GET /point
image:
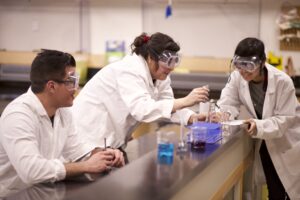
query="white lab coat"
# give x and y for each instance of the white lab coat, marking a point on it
(280, 124)
(45, 191)
(120, 96)
(30, 148)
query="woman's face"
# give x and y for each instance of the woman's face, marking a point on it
(158, 71)
(250, 76)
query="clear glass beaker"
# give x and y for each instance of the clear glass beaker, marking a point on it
(225, 116)
(165, 149)
(198, 137)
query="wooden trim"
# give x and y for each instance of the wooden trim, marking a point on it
(188, 64)
(235, 178)
(205, 64)
(215, 180)
(17, 57)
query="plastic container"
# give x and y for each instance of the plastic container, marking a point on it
(214, 132)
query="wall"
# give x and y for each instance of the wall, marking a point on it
(65, 25)
(269, 32)
(114, 20)
(203, 27)
(29, 25)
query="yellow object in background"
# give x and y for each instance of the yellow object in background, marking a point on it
(276, 61)
(264, 192)
(181, 70)
(81, 68)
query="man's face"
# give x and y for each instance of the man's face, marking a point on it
(66, 88)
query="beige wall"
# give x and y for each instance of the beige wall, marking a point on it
(203, 27)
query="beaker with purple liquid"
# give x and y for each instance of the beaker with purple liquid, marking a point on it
(198, 137)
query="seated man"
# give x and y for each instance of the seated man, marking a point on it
(36, 131)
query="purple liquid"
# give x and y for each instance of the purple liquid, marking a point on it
(198, 145)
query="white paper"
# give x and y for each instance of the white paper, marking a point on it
(234, 122)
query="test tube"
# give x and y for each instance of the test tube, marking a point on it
(181, 144)
(181, 128)
(204, 106)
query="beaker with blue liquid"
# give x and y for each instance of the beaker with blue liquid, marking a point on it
(165, 149)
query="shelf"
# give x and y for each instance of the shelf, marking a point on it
(290, 38)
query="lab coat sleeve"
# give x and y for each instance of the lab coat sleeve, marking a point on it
(75, 148)
(229, 99)
(185, 113)
(284, 116)
(21, 145)
(132, 87)
(166, 92)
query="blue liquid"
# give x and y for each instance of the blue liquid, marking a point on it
(165, 153)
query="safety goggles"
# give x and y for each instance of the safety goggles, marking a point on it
(249, 64)
(72, 82)
(168, 59)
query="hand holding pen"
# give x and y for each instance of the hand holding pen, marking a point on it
(118, 158)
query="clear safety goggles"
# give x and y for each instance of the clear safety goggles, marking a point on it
(168, 59)
(72, 82)
(249, 64)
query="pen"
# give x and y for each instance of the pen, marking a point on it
(104, 143)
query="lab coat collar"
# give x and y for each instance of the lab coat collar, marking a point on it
(37, 105)
(271, 80)
(270, 90)
(246, 94)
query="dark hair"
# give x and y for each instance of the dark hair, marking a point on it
(249, 47)
(49, 65)
(153, 45)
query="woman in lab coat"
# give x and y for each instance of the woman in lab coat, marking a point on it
(269, 96)
(133, 90)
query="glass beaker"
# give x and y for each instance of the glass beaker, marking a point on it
(204, 106)
(165, 149)
(212, 109)
(225, 116)
(198, 137)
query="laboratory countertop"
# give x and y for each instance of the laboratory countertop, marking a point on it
(144, 177)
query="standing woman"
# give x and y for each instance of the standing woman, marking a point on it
(269, 96)
(133, 90)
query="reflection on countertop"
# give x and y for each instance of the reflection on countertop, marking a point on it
(144, 177)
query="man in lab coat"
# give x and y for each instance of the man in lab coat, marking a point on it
(36, 130)
(133, 90)
(269, 96)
